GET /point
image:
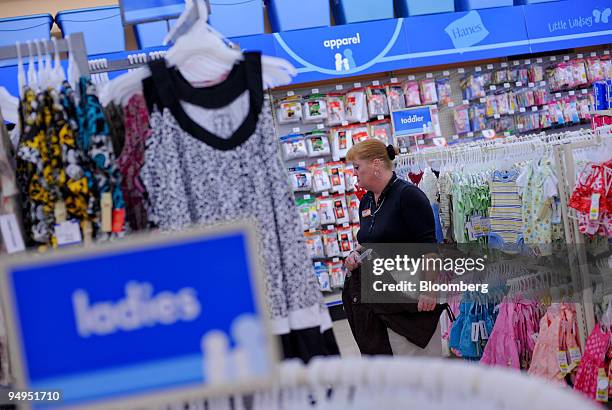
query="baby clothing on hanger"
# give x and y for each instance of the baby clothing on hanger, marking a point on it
(593, 359)
(505, 212)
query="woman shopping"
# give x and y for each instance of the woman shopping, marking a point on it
(393, 211)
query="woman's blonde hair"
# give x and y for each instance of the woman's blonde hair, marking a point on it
(371, 150)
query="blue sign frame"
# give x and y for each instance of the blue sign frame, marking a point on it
(412, 121)
(141, 321)
(143, 11)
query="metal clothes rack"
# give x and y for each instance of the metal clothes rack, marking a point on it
(131, 61)
(562, 146)
(75, 43)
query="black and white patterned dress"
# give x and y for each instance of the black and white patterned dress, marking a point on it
(213, 157)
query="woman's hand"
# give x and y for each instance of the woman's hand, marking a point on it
(351, 262)
(427, 302)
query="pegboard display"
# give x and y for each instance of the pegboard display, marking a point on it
(317, 126)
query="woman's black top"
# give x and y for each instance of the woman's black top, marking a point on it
(404, 215)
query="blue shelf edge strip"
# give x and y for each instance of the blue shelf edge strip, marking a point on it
(371, 47)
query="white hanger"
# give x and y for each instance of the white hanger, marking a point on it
(201, 55)
(59, 76)
(40, 68)
(9, 106)
(32, 78)
(21, 77)
(73, 69)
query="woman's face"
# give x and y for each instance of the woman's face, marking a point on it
(365, 173)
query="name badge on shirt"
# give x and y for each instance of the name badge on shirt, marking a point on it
(366, 212)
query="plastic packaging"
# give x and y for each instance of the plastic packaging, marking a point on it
(355, 105)
(381, 130)
(395, 97)
(412, 93)
(445, 93)
(340, 209)
(428, 92)
(336, 274)
(336, 114)
(349, 177)
(360, 133)
(301, 179)
(330, 243)
(353, 207)
(294, 146)
(322, 273)
(477, 117)
(461, 118)
(317, 144)
(315, 108)
(377, 101)
(336, 173)
(345, 240)
(320, 178)
(341, 143)
(289, 110)
(309, 214)
(325, 207)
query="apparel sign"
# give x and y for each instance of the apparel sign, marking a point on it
(146, 318)
(412, 121)
(331, 52)
(554, 27)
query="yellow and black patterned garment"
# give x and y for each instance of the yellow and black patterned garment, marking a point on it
(50, 167)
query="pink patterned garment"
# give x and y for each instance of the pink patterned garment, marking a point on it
(593, 359)
(502, 350)
(131, 161)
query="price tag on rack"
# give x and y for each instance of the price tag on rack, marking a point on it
(566, 58)
(606, 52)
(504, 65)
(411, 78)
(507, 134)
(302, 164)
(330, 227)
(394, 80)
(539, 60)
(542, 83)
(534, 108)
(320, 161)
(461, 70)
(522, 109)
(306, 196)
(320, 126)
(506, 85)
(429, 75)
(470, 134)
(375, 82)
(451, 104)
(296, 129)
(290, 93)
(496, 116)
(312, 230)
(490, 67)
(466, 102)
(519, 83)
(572, 92)
(585, 91)
(345, 225)
(553, 58)
(357, 85)
(403, 150)
(527, 62)
(531, 85)
(493, 88)
(446, 73)
(558, 95)
(516, 63)
(335, 259)
(325, 194)
(593, 54)
(580, 56)
(381, 117)
(421, 142)
(478, 69)
(520, 126)
(455, 137)
(511, 112)
(339, 87)
(315, 91)
(482, 100)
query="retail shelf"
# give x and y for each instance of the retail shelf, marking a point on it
(333, 299)
(602, 112)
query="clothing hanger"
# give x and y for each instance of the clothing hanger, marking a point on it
(59, 75)
(40, 68)
(9, 106)
(201, 55)
(73, 70)
(32, 79)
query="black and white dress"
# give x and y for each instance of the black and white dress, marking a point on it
(213, 157)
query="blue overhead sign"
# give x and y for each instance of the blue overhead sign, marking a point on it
(340, 51)
(147, 318)
(555, 26)
(412, 121)
(138, 11)
(457, 37)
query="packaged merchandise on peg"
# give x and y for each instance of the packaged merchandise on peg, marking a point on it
(294, 146)
(301, 179)
(395, 97)
(377, 101)
(317, 144)
(341, 142)
(336, 113)
(289, 110)
(315, 108)
(356, 106)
